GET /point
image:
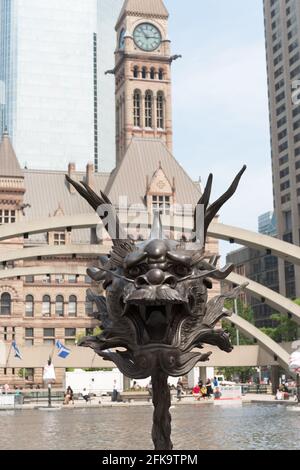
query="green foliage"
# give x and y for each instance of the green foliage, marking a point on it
(244, 312)
(96, 332)
(244, 373)
(285, 330)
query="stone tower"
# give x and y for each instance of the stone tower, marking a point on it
(143, 74)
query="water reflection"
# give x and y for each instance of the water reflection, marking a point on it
(194, 427)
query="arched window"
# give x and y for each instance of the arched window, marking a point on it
(59, 306)
(136, 72)
(29, 306)
(144, 72)
(5, 304)
(148, 109)
(152, 73)
(160, 74)
(72, 307)
(137, 108)
(46, 306)
(88, 306)
(160, 110)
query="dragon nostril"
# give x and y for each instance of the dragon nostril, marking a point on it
(171, 281)
(141, 281)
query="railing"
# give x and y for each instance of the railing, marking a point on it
(256, 388)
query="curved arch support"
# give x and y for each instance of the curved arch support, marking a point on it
(272, 298)
(263, 340)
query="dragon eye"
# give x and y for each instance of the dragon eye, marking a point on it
(136, 271)
(181, 270)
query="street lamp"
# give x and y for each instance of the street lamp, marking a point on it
(156, 305)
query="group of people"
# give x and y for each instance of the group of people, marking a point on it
(201, 390)
(205, 390)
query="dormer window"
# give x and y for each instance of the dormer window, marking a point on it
(161, 204)
(7, 216)
(59, 238)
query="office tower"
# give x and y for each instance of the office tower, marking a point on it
(260, 267)
(282, 29)
(51, 72)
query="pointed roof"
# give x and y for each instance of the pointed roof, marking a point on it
(154, 8)
(142, 159)
(9, 165)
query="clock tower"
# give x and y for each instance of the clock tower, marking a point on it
(143, 75)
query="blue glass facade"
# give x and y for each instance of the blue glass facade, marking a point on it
(52, 58)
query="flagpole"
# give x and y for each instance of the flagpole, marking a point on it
(7, 359)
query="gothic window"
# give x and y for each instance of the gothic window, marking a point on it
(136, 72)
(72, 307)
(160, 110)
(5, 304)
(144, 72)
(29, 306)
(160, 74)
(137, 108)
(7, 216)
(88, 306)
(59, 306)
(148, 109)
(152, 73)
(46, 306)
(161, 204)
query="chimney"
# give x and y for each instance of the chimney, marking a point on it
(71, 174)
(90, 175)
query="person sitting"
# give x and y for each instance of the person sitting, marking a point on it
(196, 392)
(69, 396)
(85, 395)
(203, 391)
(217, 393)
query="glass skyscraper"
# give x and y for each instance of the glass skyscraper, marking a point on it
(55, 100)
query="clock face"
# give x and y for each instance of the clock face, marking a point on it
(147, 37)
(122, 39)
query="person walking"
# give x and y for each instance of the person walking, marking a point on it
(115, 392)
(179, 389)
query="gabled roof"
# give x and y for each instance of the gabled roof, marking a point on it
(142, 159)
(154, 8)
(9, 165)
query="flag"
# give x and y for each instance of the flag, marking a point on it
(16, 349)
(63, 351)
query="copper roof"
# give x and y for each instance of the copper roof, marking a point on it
(9, 165)
(154, 8)
(142, 159)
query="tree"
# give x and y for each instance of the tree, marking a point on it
(285, 330)
(245, 312)
(243, 373)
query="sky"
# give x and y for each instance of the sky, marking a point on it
(220, 101)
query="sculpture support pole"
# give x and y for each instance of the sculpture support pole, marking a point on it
(161, 397)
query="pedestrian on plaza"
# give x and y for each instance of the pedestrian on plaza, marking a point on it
(115, 392)
(6, 389)
(179, 389)
(215, 382)
(149, 386)
(209, 388)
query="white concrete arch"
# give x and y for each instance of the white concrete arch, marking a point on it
(53, 250)
(255, 240)
(280, 355)
(272, 298)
